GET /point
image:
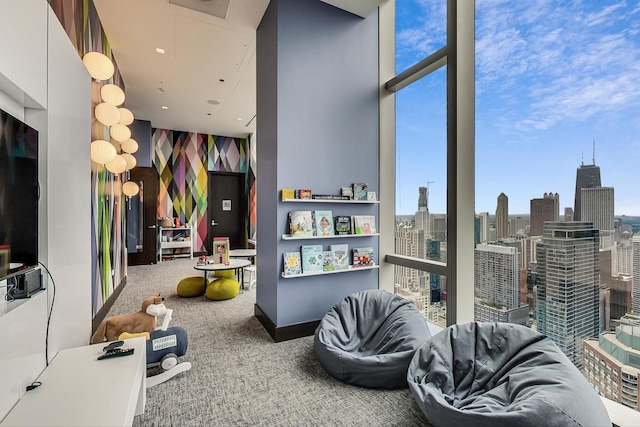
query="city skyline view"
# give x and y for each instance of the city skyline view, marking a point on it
(552, 78)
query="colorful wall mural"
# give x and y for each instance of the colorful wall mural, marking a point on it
(80, 20)
(183, 160)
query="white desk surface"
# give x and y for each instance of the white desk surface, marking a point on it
(79, 390)
(233, 264)
(242, 252)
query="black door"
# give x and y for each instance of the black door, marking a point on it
(141, 217)
(227, 209)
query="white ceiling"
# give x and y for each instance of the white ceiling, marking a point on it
(207, 76)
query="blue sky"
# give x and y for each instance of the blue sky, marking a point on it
(552, 77)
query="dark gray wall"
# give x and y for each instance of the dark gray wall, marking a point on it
(141, 132)
(317, 128)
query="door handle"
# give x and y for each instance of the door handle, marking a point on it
(213, 222)
(152, 226)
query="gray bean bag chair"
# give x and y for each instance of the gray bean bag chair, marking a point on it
(500, 374)
(369, 338)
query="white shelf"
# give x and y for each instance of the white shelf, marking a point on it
(172, 232)
(370, 202)
(336, 236)
(320, 273)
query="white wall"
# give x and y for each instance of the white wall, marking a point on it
(43, 82)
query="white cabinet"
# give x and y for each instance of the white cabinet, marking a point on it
(175, 242)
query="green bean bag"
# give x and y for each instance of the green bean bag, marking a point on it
(191, 287)
(225, 273)
(221, 289)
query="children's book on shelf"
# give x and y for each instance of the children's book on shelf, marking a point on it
(292, 263)
(340, 255)
(364, 224)
(360, 190)
(301, 223)
(327, 261)
(221, 250)
(324, 223)
(288, 194)
(312, 258)
(347, 191)
(304, 194)
(362, 257)
(343, 224)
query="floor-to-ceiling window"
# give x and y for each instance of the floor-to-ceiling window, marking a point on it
(556, 204)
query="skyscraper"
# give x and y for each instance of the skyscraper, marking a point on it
(569, 285)
(597, 207)
(545, 209)
(484, 226)
(502, 216)
(423, 199)
(635, 286)
(587, 176)
(422, 215)
(497, 285)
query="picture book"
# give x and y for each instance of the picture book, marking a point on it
(347, 192)
(364, 224)
(340, 255)
(362, 257)
(305, 194)
(360, 191)
(288, 194)
(327, 261)
(221, 250)
(301, 223)
(312, 258)
(343, 224)
(292, 263)
(324, 223)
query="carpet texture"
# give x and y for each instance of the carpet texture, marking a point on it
(240, 377)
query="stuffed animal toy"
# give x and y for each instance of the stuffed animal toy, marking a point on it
(141, 321)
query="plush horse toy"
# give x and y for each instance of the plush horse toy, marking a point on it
(141, 321)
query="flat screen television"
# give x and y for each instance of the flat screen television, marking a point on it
(19, 195)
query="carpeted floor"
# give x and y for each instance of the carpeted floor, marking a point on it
(240, 377)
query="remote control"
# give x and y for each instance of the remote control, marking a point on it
(117, 352)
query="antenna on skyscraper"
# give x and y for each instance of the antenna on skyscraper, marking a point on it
(594, 152)
(582, 159)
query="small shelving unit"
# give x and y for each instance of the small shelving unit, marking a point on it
(320, 273)
(171, 239)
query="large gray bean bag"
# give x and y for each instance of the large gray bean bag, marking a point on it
(500, 374)
(369, 338)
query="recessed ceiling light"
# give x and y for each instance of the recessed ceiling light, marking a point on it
(160, 50)
(239, 118)
(164, 107)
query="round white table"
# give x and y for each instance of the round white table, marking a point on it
(243, 253)
(234, 264)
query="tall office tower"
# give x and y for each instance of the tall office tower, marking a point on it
(568, 214)
(569, 285)
(517, 226)
(433, 253)
(611, 363)
(635, 285)
(484, 226)
(587, 176)
(597, 207)
(439, 227)
(411, 242)
(423, 199)
(497, 285)
(422, 215)
(623, 259)
(545, 209)
(502, 216)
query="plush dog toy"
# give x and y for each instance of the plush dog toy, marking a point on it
(141, 321)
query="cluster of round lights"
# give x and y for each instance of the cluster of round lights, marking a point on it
(110, 113)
